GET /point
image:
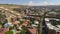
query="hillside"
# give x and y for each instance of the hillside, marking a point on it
(11, 6)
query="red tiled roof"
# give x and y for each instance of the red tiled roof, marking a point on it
(33, 30)
(3, 30)
(25, 23)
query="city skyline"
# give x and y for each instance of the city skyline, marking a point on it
(31, 2)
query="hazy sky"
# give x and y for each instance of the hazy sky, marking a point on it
(31, 2)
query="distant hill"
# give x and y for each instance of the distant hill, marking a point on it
(48, 6)
(12, 6)
(25, 6)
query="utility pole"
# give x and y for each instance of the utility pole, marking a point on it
(42, 22)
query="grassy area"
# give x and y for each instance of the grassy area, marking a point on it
(9, 32)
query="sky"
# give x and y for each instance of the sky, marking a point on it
(31, 2)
